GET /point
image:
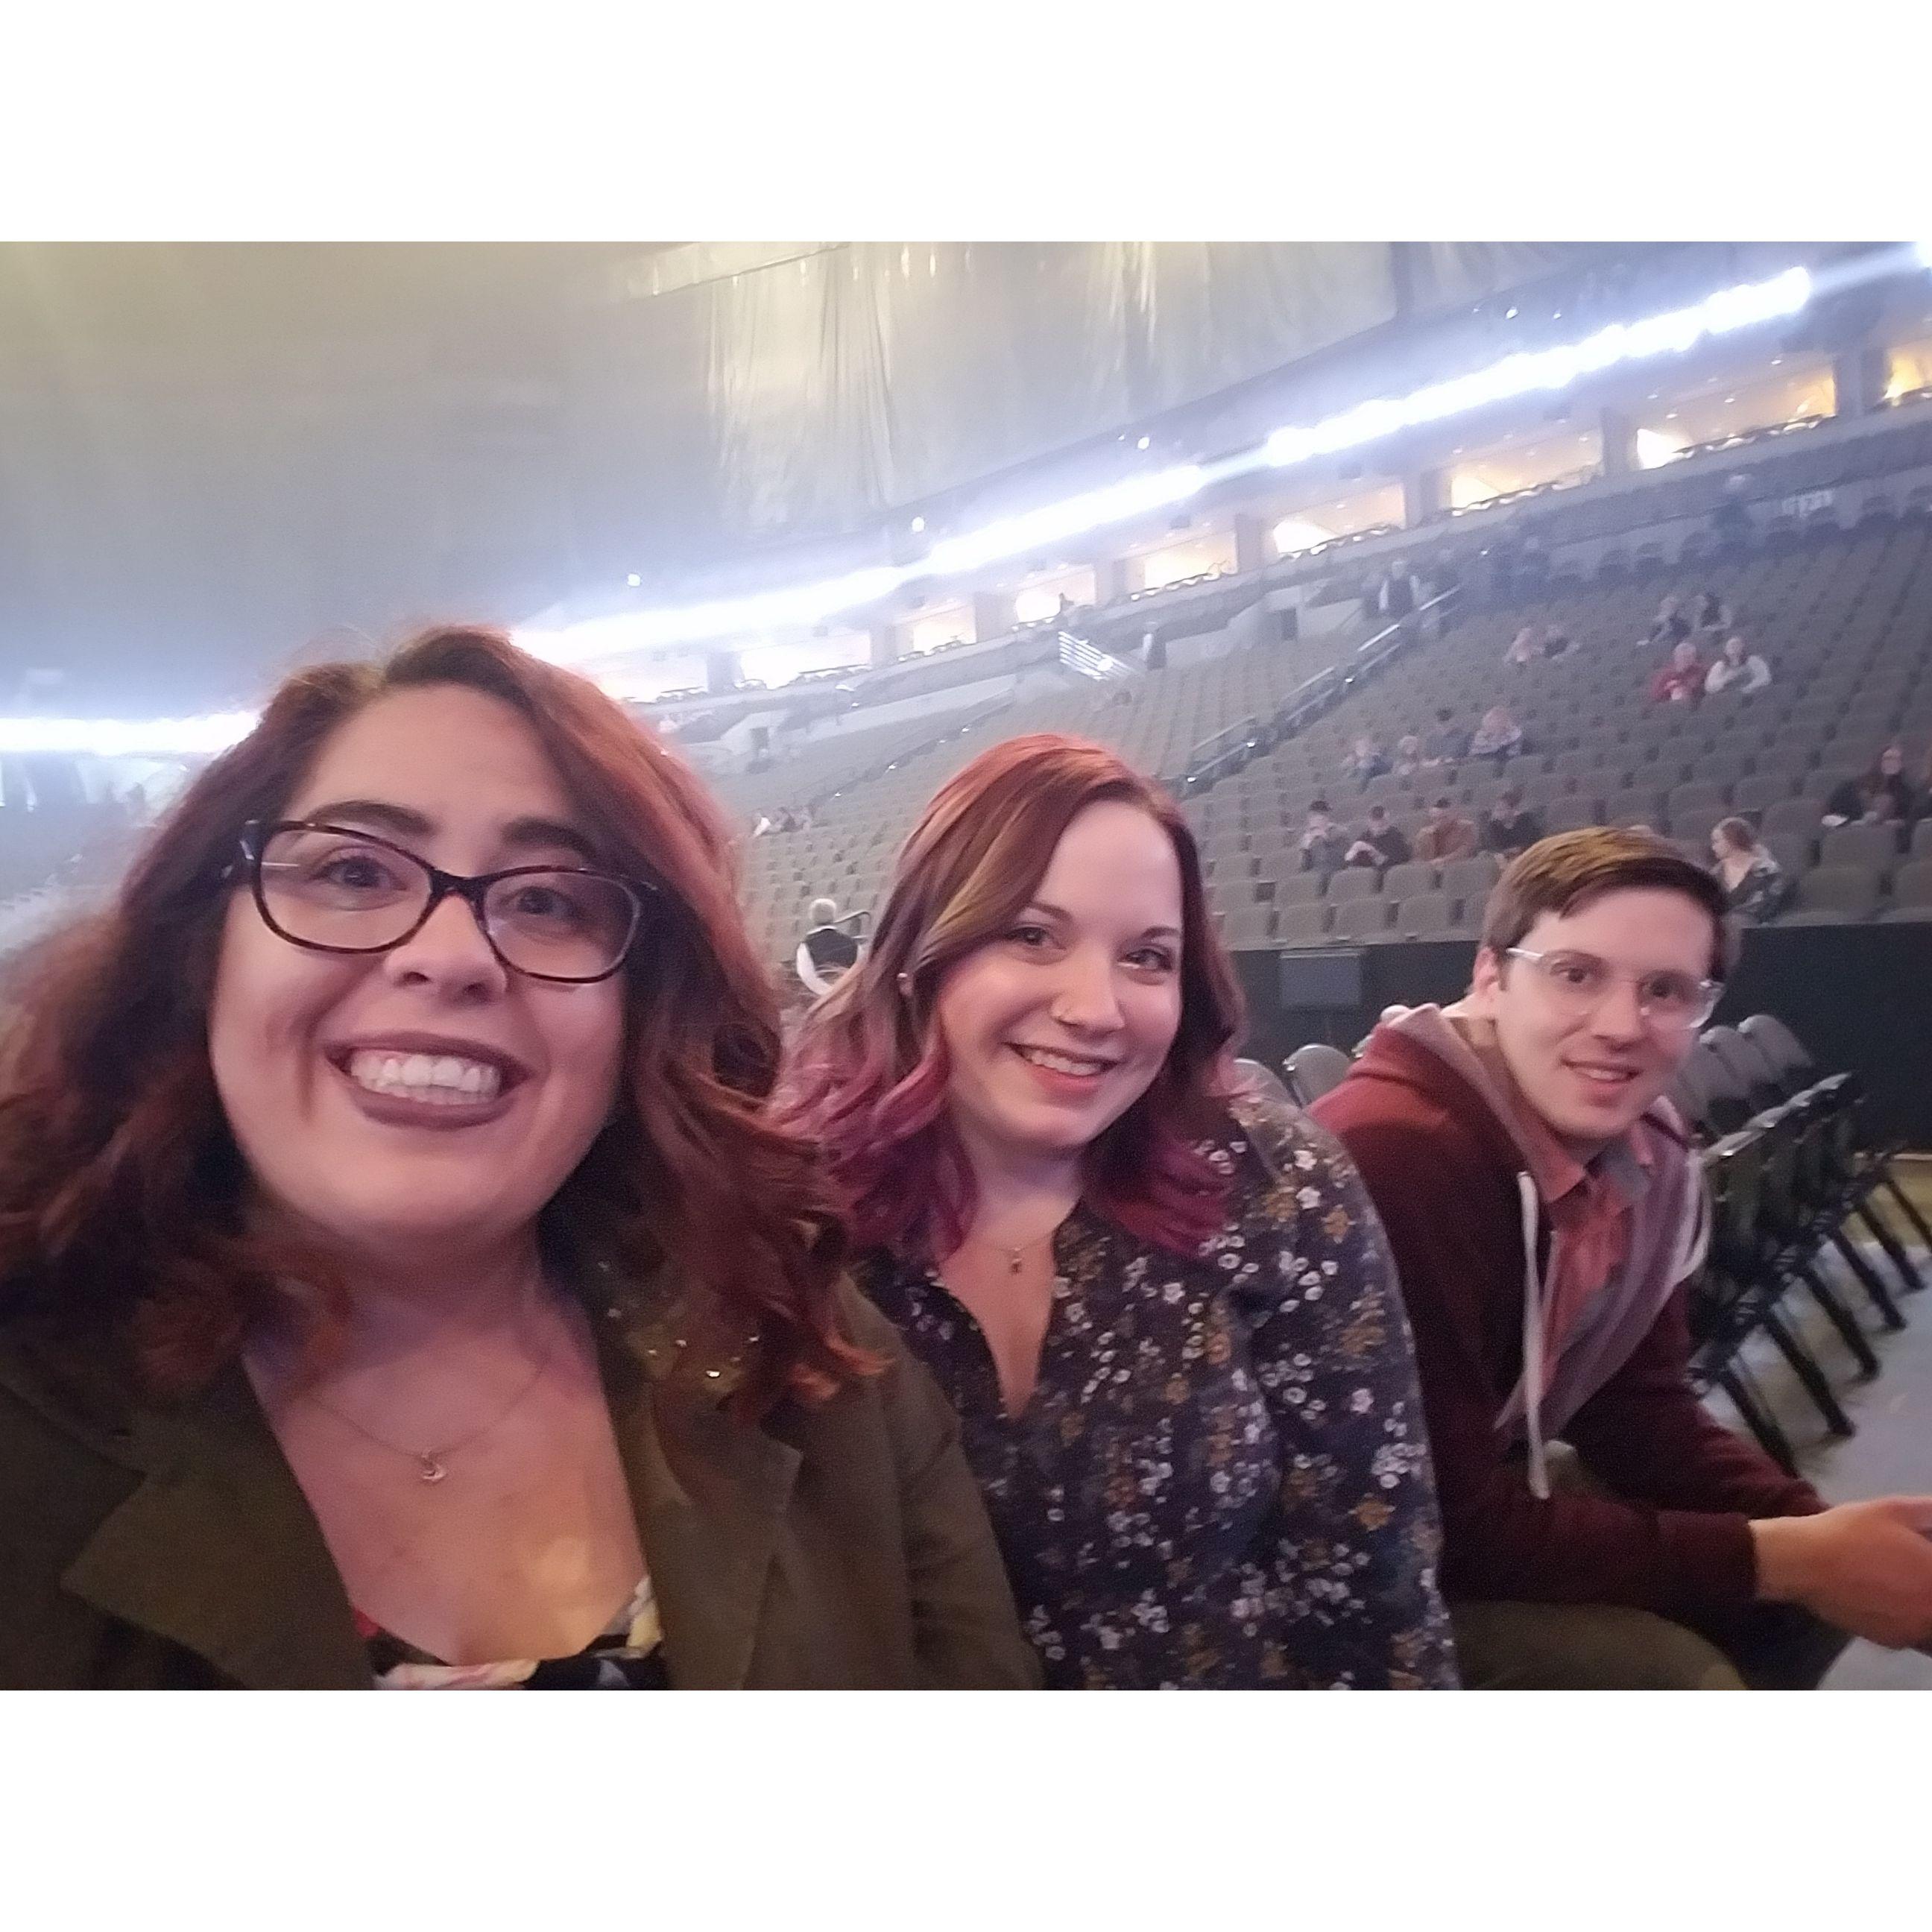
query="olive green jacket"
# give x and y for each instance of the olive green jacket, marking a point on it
(840, 1546)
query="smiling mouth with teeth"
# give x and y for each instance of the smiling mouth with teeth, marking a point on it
(1062, 1063)
(442, 1079)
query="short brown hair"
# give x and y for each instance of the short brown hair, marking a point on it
(1565, 873)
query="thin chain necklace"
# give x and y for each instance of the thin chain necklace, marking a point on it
(433, 1465)
(1016, 1258)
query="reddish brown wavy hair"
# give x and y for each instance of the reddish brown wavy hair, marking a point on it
(121, 1190)
(870, 1068)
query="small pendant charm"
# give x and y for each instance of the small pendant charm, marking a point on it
(1013, 1262)
(432, 1472)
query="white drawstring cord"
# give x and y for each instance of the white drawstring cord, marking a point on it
(1532, 1342)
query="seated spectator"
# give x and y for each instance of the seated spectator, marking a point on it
(1731, 523)
(1546, 1213)
(1366, 759)
(1394, 596)
(1525, 648)
(1499, 736)
(1756, 886)
(1713, 613)
(1554, 641)
(1408, 757)
(1739, 670)
(1681, 680)
(1446, 745)
(1447, 834)
(1881, 796)
(827, 953)
(1325, 845)
(1507, 829)
(1381, 844)
(1668, 628)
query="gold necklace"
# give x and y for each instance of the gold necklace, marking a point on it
(433, 1465)
(1015, 1257)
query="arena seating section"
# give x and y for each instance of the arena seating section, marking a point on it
(1844, 625)
(1843, 618)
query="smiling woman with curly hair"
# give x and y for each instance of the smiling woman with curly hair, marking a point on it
(402, 1280)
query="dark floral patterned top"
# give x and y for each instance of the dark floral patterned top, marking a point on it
(1222, 1478)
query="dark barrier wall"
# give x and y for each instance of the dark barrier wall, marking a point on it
(1860, 996)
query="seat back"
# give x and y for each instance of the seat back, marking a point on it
(1785, 1052)
(1315, 1070)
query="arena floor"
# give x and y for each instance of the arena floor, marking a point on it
(1892, 1454)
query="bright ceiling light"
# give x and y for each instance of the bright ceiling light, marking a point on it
(1535, 371)
(634, 580)
(1016, 536)
(1292, 535)
(1656, 447)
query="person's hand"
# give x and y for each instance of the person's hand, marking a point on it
(1865, 1567)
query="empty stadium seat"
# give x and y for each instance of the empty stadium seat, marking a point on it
(1470, 878)
(1249, 928)
(1408, 881)
(1874, 845)
(1828, 893)
(1426, 915)
(1912, 891)
(1298, 889)
(1362, 919)
(1352, 883)
(1302, 924)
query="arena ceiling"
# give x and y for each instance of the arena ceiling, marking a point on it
(215, 459)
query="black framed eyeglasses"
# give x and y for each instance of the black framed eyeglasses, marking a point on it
(336, 888)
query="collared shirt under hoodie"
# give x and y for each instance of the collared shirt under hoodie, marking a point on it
(1604, 1243)
(1546, 1296)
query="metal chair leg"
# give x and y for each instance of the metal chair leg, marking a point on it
(1888, 1181)
(1805, 1367)
(1841, 1317)
(1749, 1401)
(1908, 1274)
(1868, 1280)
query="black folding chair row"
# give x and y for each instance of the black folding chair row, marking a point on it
(1790, 1168)
(1796, 1076)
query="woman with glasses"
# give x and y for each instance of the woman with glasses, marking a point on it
(1602, 1529)
(404, 1284)
(1161, 1304)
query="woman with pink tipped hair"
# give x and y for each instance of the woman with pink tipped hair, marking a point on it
(1163, 1307)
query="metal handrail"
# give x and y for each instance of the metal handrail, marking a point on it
(1207, 765)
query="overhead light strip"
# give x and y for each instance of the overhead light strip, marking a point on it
(597, 640)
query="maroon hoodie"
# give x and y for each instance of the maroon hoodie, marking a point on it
(1447, 1177)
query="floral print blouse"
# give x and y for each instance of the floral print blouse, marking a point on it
(1222, 1478)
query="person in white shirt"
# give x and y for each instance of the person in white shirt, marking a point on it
(1739, 670)
(828, 951)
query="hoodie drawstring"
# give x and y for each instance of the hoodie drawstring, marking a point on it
(1532, 1342)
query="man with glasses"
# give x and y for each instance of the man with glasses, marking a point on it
(1602, 1530)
